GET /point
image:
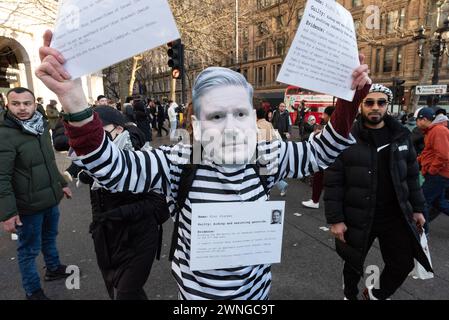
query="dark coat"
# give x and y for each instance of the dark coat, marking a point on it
(281, 122)
(126, 231)
(29, 178)
(161, 113)
(143, 120)
(60, 140)
(308, 130)
(418, 140)
(351, 187)
(129, 113)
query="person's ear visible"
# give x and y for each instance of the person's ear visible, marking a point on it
(119, 129)
(196, 126)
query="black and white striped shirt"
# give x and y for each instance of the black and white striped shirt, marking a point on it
(161, 168)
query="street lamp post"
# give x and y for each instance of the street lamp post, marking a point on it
(438, 47)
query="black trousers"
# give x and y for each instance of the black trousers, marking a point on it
(125, 254)
(396, 246)
(160, 127)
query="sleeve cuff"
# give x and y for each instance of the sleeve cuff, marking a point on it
(85, 139)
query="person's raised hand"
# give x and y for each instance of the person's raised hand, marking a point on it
(52, 73)
(360, 75)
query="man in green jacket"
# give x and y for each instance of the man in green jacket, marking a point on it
(31, 188)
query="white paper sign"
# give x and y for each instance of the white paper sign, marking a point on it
(230, 235)
(95, 34)
(324, 53)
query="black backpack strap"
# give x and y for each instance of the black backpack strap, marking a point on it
(185, 184)
(263, 178)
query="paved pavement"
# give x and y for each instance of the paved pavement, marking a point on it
(310, 268)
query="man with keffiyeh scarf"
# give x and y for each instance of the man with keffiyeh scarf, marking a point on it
(31, 188)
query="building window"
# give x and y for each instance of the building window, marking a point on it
(279, 23)
(377, 63)
(261, 4)
(357, 25)
(402, 18)
(275, 68)
(388, 60)
(300, 14)
(245, 34)
(245, 55)
(356, 3)
(245, 74)
(399, 59)
(261, 51)
(262, 29)
(392, 19)
(280, 47)
(261, 75)
(383, 19)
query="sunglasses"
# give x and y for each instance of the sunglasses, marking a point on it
(371, 102)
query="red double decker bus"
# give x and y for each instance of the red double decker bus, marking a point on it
(314, 102)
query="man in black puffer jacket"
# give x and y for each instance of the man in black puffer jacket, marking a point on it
(372, 191)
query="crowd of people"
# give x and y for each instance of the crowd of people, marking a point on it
(363, 158)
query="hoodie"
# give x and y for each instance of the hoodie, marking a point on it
(441, 118)
(434, 159)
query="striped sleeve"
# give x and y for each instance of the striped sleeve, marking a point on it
(136, 171)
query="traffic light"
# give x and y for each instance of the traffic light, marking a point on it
(398, 90)
(176, 61)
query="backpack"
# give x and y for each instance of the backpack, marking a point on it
(185, 184)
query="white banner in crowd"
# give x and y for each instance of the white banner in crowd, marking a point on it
(324, 53)
(93, 35)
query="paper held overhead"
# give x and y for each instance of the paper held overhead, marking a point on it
(92, 35)
(324, 52)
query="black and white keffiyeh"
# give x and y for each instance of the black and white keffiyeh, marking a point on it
(34, 126)
(381, 88)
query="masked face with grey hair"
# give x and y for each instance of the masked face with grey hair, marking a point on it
(224, 120)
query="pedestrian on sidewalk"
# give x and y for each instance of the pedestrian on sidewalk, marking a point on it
(161, 115)
(126, 228)
(434, 161)
(317, 180)
(301, 114)
(173, 118)
(282, 123)
(52, 113)
(372, 191)
(265, 130)
(31, 188)
(143, 120)
(309, 127)
(128, 110)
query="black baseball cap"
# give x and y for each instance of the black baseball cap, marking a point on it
(109, 115)
(427, 113)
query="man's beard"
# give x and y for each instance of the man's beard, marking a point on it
(366, 118)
